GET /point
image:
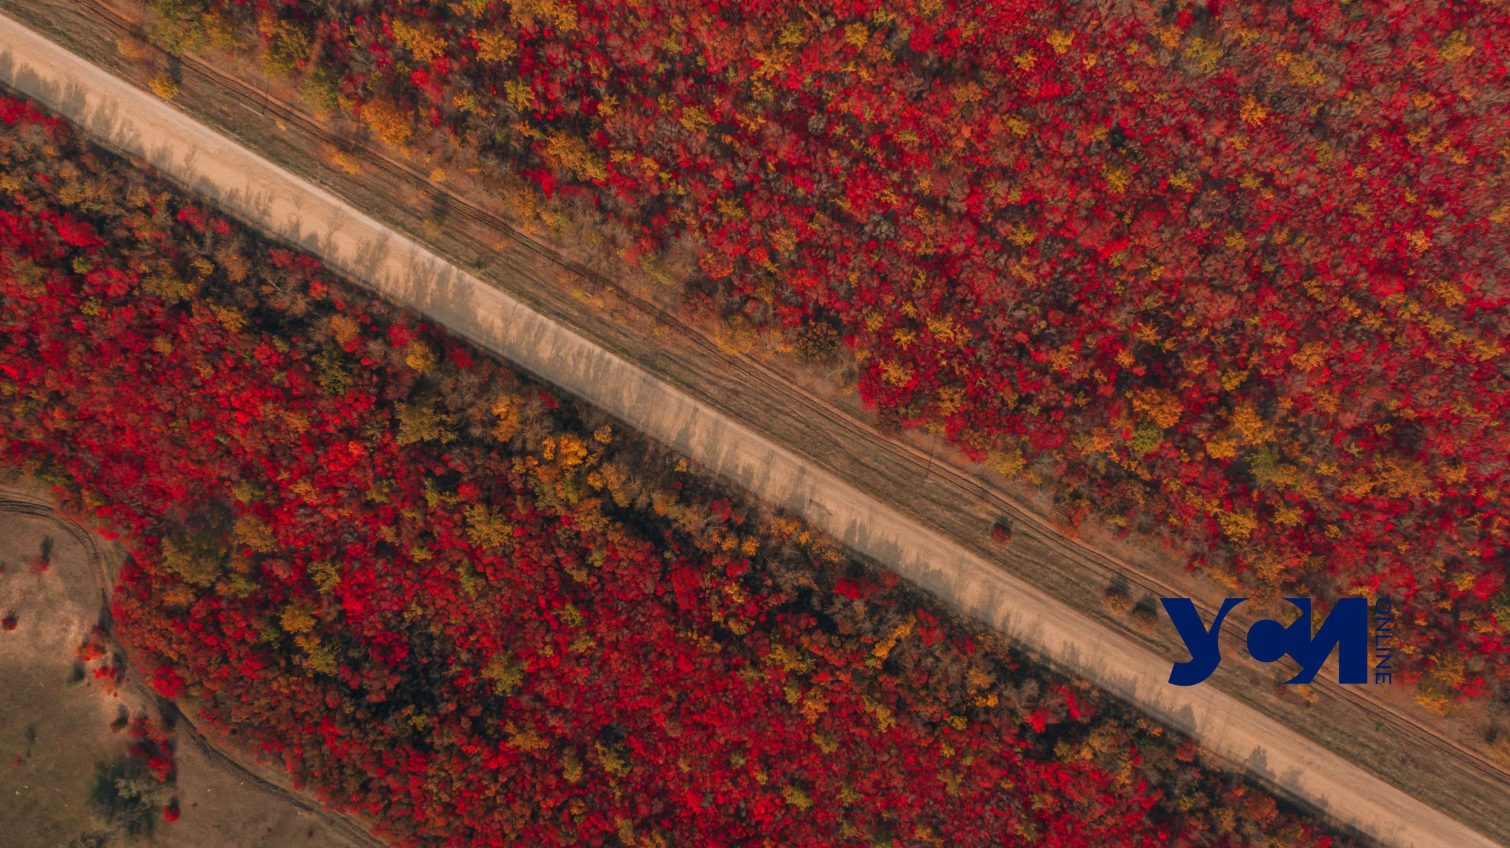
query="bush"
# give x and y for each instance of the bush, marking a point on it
(128, 796)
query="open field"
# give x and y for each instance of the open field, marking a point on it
(52, 730)
(361, 247)
(57, 721)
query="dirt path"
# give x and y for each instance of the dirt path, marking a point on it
(295, 210)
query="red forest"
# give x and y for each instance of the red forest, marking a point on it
(1230, 272)
(450, 600)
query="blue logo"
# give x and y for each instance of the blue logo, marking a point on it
(1344, 630)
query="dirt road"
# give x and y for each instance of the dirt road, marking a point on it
(297, 211)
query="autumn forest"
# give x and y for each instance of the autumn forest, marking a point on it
(1221, 283)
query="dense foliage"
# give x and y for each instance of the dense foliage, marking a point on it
(446, 598)
(1235, 271)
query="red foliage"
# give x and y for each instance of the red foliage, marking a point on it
(456, 603)
(1220, 271)
(167, 682)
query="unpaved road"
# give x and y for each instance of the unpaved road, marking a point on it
(299, 212)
